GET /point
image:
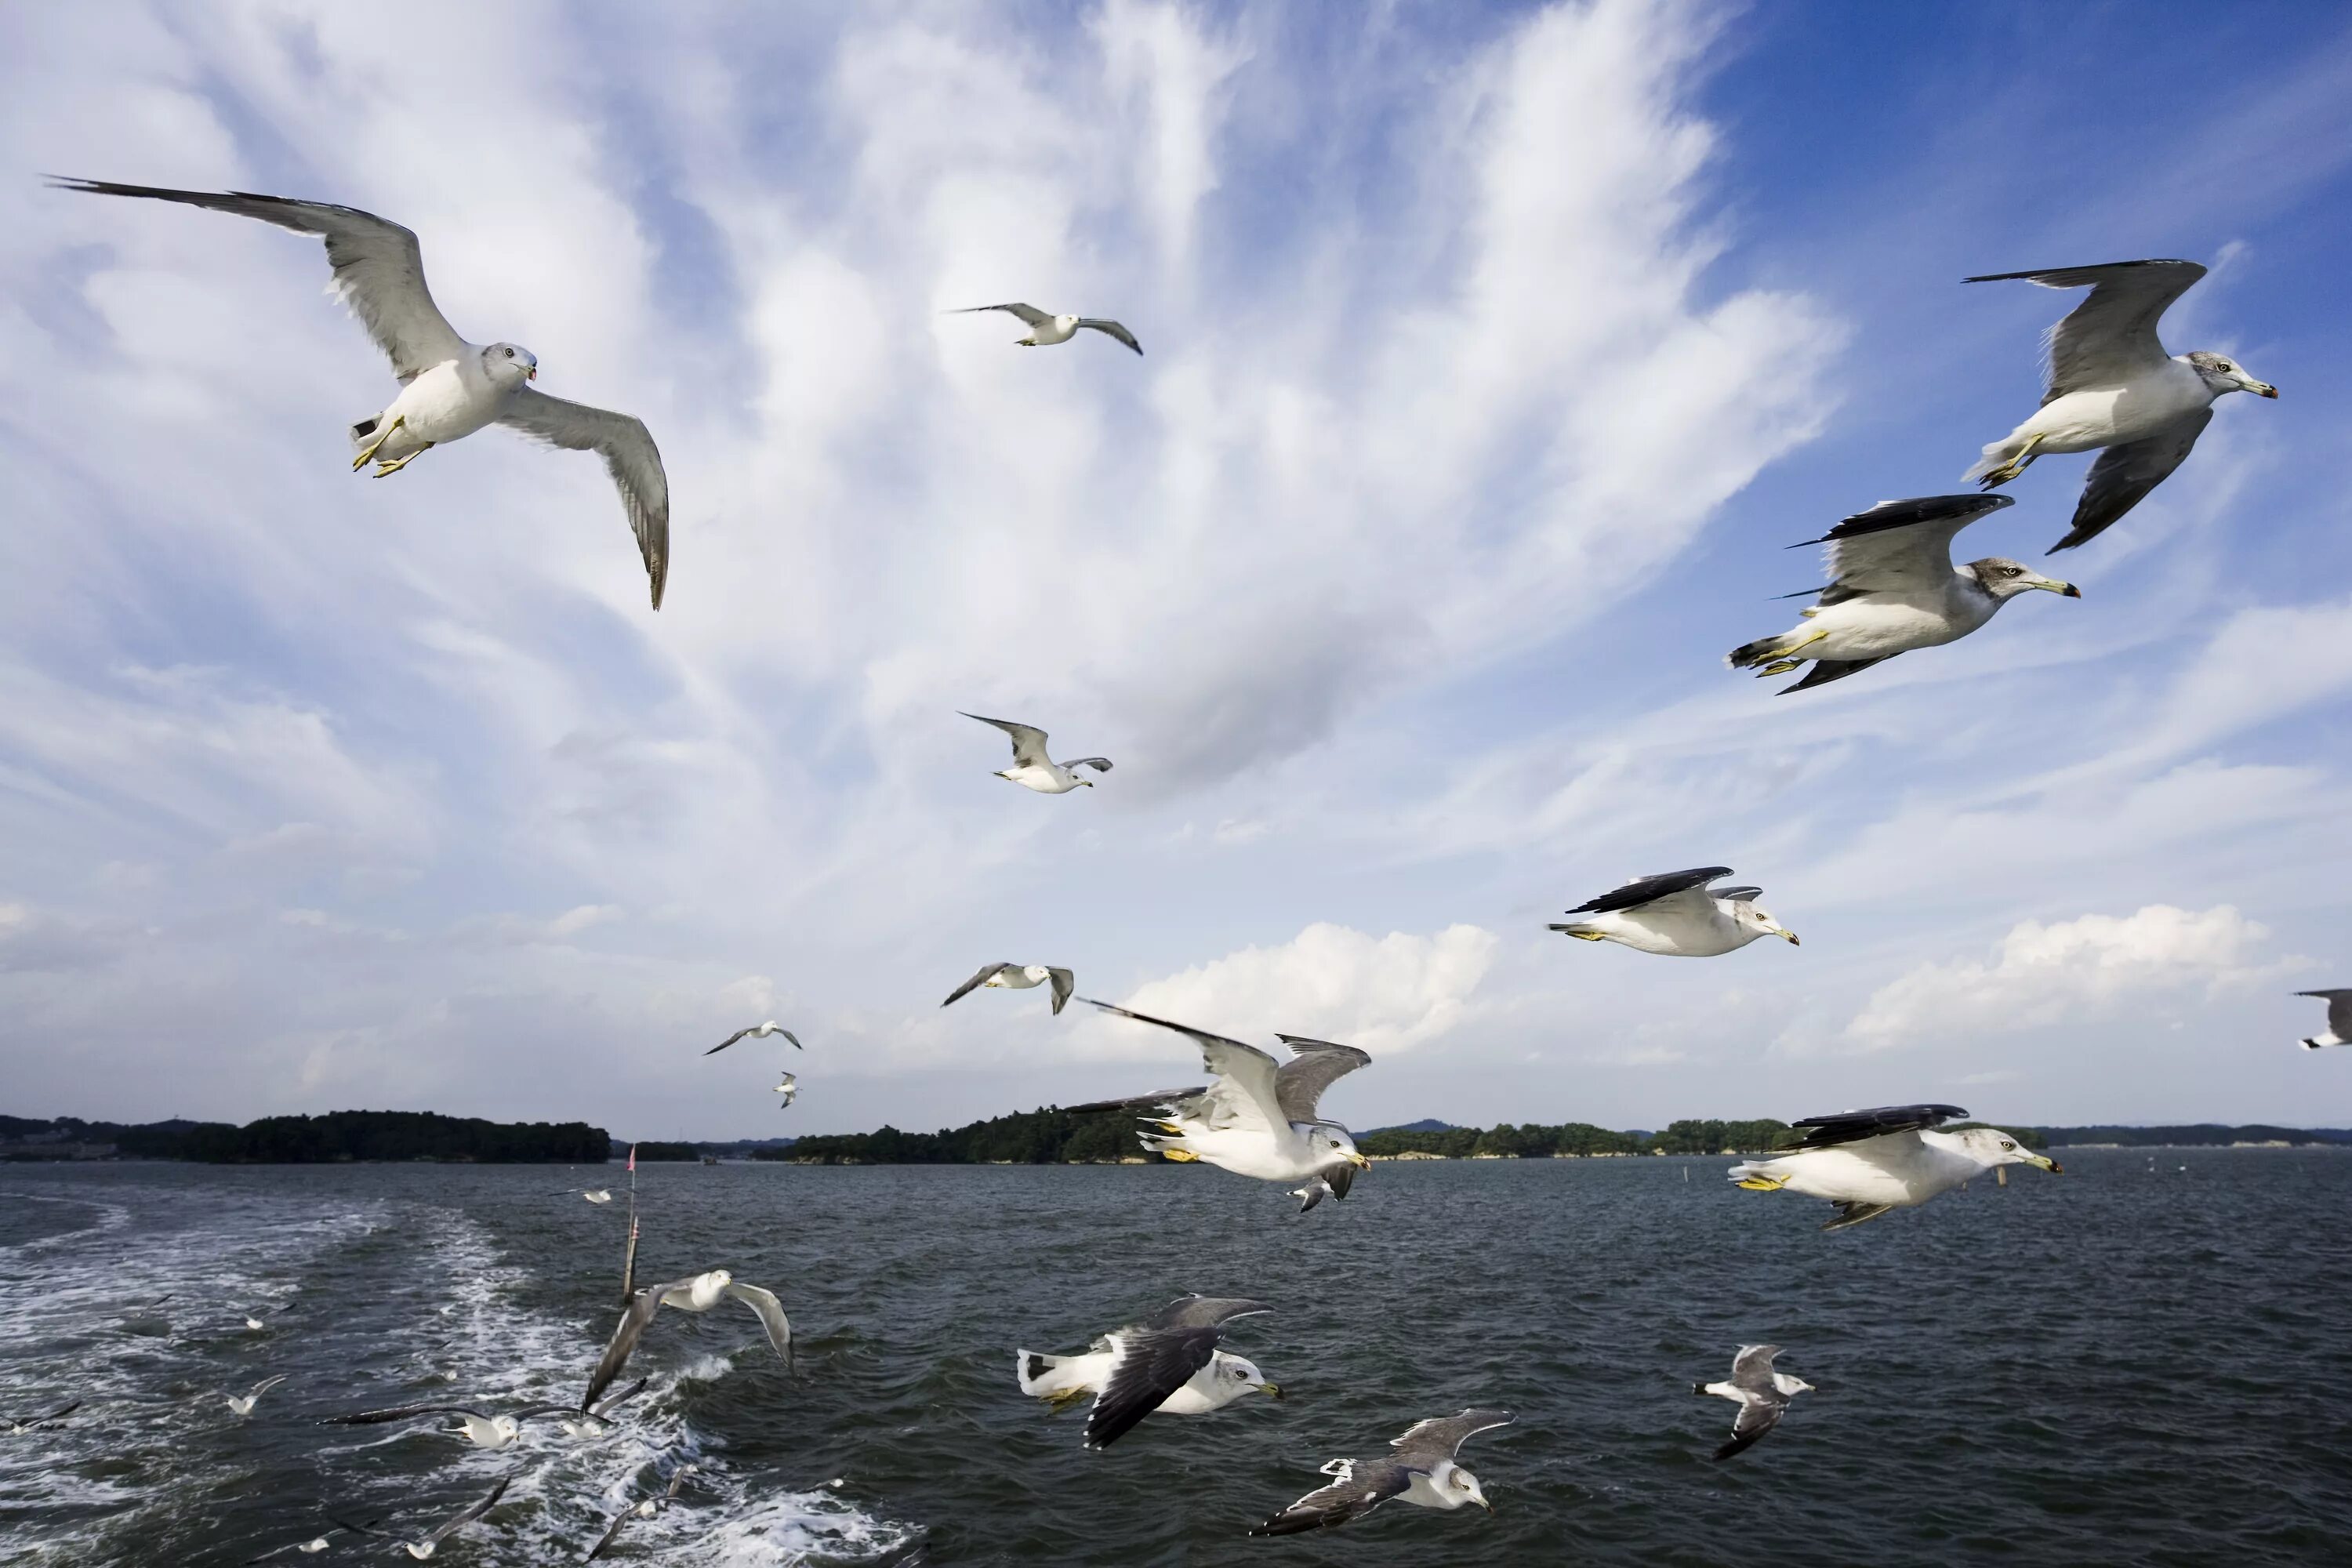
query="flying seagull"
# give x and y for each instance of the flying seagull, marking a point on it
(1761, 1394)
(1677, 913)
(2339, 1019)
(697, 1294)
(1867, 1162)
(790, 1087)
(449, 387)
(645, 1510)
(1421, 1472)
(1046, 329)
(482, 1431)
(318, 1542)
(1168, 1362)
(1259, 1119)
(420, 1549)
(242, 1404)
(592, 1423)
(1033, 769)
(757, 1032)
(2112, 385)
(593, 1195)
(1017, 977)
(26, 1422)
(1315, 1190)
(1893, 588)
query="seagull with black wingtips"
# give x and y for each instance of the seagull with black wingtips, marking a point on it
(1677, 915)
(1889, 1157)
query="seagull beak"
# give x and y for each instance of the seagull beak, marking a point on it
(2064, 590)
(1271, 1390)
(1785, 934)
(531, 374)
(2261, 389)
(2045, 1161)
(1358, 1161)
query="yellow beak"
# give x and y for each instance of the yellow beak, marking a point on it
(2045, 1161)
(2263, 389)
(531, 374)
(1271, 1390)
(1789, 935)
(1358, 1161)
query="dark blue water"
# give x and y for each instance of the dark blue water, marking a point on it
(2132, 1363)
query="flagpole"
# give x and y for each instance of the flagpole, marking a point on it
(629, 1260)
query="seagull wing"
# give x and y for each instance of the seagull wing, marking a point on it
(1853, 1126)
(1112, 329)
(1099, 765)
(1063, 982)
(796, 1039)
(1028, 741)
(1442, 1437)
(605, 1410)
(1821, 671)
(630, 457)
(1361, 1486)
(471, 1514)
(1314, 1066)
(1136, 1102)
(626, 1335)
(379, 270)
(265, 1386)
(611, 1532)
(1649, 889)
(727, 1042)
(2126, 472)
(2339, 1020)
(1148, 1364)
(1203, 1311)
(399, 1413)
(1752, 1369)
(1758, 1414)
(1246, 1089)
(1030, 315)
(772, 1316)
(979, 978)
(2109, 338)
(1899, 546)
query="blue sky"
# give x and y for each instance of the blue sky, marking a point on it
(1493, 359)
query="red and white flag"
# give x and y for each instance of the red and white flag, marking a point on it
(633, 1159)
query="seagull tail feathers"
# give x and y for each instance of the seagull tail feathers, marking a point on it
(1042, 1377)
(1746, 656)
(365, 428)
(1995, 455)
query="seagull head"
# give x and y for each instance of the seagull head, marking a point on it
(1990, 1146)
(2222, 373)
(510, 365)
(1333, 1146)
(1463, 1486)
(1241, 1374)
(1754, 916)
(2005, 579)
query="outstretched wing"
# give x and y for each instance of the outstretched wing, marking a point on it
(1443, 1436)
(1099, 765)
(979, 978)
(1821, 671)
(1246, 1077)
(626, 1335)
(1314, 1066)
(397, 1413)
(1203, 1311)
(1063, 982)
(727, 1041)
(603, 1412)
(2126, 472)
(2110, 338)
(1752, 1368)
(1899, 546)
(1648, 889)
(772, 1316)
(2340, 1021)
(1362, 1485)
(1758, 1414)
(630, 457)
(1112, 329)
(1028, 741)
(472, 1513)
(1030, 315)
(379, 269)
(1853, 1126)
(1137, 1101)
(1148, 1364)
(611, 1532)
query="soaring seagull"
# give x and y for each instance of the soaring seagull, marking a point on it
(1761, 1394)
(757, 1032)
(697, 1294)
(482, 1431)
(1868, 1162)
(1168, 1362)
(26, 1422)
(2339, 1019)
(1421, 1472)
(592, 1423)
(2111, 384)
(243, 1404)
(1259, 1119)
(449, 387)
(1046, 330)
(1893, 588)
(318, 1542)
(420, 1549)
(1017, 977)
(645, 1510)
(1677, 913)
(1033, 769)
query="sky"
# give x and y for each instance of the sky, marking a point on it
(1494, 357)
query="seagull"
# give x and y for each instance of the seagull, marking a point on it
(420, 1549)
(1033, 769)
(1867, 1162)
(1315, 1190)
(1893, 588)
(757, 1032)
(2112, 385)
(1017, 977)
(1677, 913)
(1046, 329)
(790, 1087)
(1168, 1362)
(26, 1422)
(592, 1423)
(482, 1431)
(645, 1509)
(697, 1294)
(318, 1542)
(1259, 1119)
(254, 1324)
(2339, 1019)
(1761, 1394)
(242, 1404)
(1421, 1472)
(449, 387)
(593, 1195)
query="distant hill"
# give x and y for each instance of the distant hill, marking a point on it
(339, 1135)
(1426, 1124)
(2202, 1135)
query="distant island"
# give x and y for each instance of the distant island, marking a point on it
(338, 1136)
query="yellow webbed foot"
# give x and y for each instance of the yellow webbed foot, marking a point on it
(1181, 1156)
(383, 468)
(1761, 1183)
(2014, 467)
(375, 446)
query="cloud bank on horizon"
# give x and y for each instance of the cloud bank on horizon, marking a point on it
(1492, 359)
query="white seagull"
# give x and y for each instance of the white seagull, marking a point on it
(790, 1087)
(482, 1431)
(1259, 1119)
(1046, 329)
(1676, 913)
(645, 1510)
(593, 1423)
(2339, 1019)
(1868, 1162)
(420, 1549)
(242, 1404)
(1761, 1394)
(318, 1542)
(1017, 977)
(1169, 1364)
(757, 1032)
(593, 1195)
(449, 387)
(697, 1294)
(1033, 769)
(2111, 384)
(1420, 1471)
(1893, 588)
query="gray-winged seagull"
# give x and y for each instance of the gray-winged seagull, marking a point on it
(1677, 915)
(2339, 1019)
(645, 1510)
(1046, 330)
(757, 1032)
(1017, 977)
(697, 1294)
(1420, 1471)
(1868, 1162)
(420, 1549)
(1033, 769)
(1168, 1363)
(1761, 1394)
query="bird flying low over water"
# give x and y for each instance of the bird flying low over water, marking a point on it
(757, 1032)
(593, 1195)
(243, 1404)
(482, 1431)
(318, 1542)
(1761, 1394)
(697, 1294)
(26, 1422)
(1046, 329)
(1868, 1162)
(1421, 1472)
(1033, 769)
(592, 1423)
(1017, 977)
(1893, 588)
(420, 1549)
(1677, 915)
(1259, 1119)
(2112, 385)
(449, 387)
(1169, 1364)
(2339, 1019)
(645, 1510)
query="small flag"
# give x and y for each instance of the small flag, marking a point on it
(633, 1159)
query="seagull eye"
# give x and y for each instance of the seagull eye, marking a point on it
(2006, 1144)
(509, 353)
